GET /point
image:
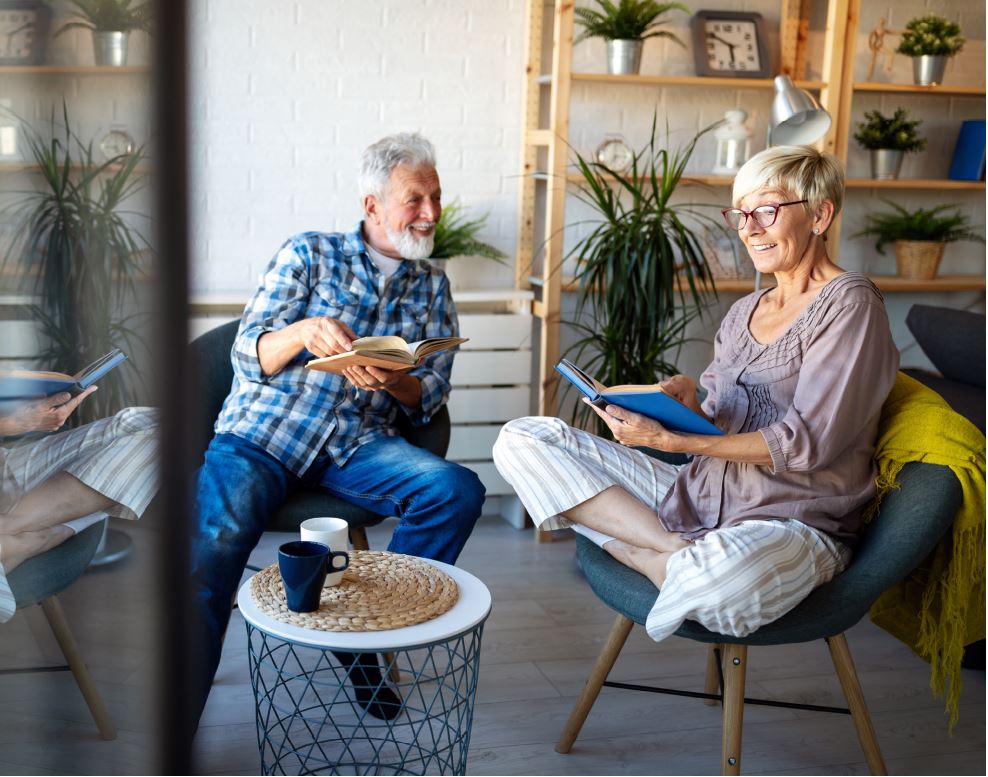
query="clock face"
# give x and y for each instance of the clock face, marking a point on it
(116, 143)
(732, 46)
(615, 154)
(729, 43)
(23, 29)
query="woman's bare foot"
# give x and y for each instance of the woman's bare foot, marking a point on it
(651, 563)
(15, 549)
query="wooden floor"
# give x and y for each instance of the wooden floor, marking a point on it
(539, 643)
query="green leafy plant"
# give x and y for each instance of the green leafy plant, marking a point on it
(929, 224)
(83, 252)
(456, 235)
(110, 16)
(896, 132)
(931, 35)
(626, 20)
(642, 270)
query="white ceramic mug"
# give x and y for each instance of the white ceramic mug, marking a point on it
(332, 532)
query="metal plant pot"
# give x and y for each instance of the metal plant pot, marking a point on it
(886, 163)
(918, 260)
(928, 70)
(110, 48)
(624, 57)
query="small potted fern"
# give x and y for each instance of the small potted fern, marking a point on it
(625, 25)
(920, 236)
(111, 22)
(889, 139)
(930, 40)
(457, 236)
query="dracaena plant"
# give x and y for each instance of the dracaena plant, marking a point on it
(642, 270)
(626, 20)
(82, 250)
(110, 16)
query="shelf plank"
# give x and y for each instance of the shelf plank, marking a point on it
(888, 283)
(874, 86)
(689, 179)
(913, 183)
(82, 70)
(700, 81)
(30, 167)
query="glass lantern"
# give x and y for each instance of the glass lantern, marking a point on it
(733, 143)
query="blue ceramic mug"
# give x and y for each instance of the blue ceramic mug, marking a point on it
(303, 567)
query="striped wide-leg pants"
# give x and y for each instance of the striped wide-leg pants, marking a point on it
(731, 581)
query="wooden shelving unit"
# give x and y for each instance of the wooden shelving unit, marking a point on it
(28, 167)
(76, 70)
(947, 89)
(696, 81)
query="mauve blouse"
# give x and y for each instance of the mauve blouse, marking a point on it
(815, 395)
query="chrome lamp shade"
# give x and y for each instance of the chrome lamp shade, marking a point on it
(797, 118)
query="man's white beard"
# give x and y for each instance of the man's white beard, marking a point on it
(409, 245)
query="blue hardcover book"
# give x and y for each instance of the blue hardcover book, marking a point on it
(969, 153)
(24, 384)
(646, 400)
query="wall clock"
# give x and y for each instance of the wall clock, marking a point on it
(730, 44)
(23, 31)
(116, 143)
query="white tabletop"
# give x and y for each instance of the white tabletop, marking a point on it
(472, 607)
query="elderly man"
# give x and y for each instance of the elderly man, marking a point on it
(283, 426)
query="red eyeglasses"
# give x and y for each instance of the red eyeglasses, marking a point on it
(764, 215)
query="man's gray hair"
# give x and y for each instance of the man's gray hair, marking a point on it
(380, 159)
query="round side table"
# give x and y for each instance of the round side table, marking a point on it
(308, 721)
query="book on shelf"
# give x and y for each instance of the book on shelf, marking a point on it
(19, 385)
(388, 353)
(968, 163)
(649, 401)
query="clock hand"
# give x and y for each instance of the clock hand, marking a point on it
(730, 46)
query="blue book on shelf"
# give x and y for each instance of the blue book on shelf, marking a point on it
(646, 400)
(969, 153)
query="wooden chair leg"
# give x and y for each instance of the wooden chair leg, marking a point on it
(711, 683)
(608, 655)
(841, 655)
(63, 635)
(735, 665)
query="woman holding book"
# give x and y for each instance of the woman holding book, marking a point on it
(106, 467)
(770, 509)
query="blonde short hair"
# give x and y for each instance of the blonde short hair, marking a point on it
(800, 171)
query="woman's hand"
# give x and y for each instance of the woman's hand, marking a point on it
(42, 415)
(683, 389)
(633, 429)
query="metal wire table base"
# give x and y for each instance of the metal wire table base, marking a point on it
(309, 722)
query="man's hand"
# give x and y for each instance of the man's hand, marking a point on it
(633, 429)
(42, 415)
(324, 336)
(373, 378)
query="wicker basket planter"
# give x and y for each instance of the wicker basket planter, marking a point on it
(918, 260)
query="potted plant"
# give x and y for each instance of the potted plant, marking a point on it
(642, 270)
(457, 236)
(111, 22)
(625, 25)
(920, 236)
(930, 40)
(889, 139)
(82, 251)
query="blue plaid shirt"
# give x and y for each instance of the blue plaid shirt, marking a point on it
(298, 414)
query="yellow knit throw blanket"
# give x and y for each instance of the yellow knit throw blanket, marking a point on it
(940, 607)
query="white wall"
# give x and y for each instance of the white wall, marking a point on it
(287, 94)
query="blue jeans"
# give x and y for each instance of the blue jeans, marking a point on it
(241, 486)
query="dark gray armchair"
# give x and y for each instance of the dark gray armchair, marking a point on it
(210, 355)
(911, 521)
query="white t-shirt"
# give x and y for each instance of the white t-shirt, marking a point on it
(385, 264)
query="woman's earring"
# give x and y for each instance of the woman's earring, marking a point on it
(816, 231)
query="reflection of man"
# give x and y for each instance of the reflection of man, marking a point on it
(108, 466)
(283, 426)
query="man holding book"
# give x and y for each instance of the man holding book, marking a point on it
(284, 426)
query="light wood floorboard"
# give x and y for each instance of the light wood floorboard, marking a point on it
(542, 637)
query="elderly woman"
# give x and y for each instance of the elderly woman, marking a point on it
(108, 466)
(765, 513)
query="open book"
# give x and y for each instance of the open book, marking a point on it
(29, 384)
(388, 353)
(650, 401)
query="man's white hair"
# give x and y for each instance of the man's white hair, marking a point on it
(380, 159)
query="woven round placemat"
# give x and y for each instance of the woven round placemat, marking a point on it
(379, 591)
